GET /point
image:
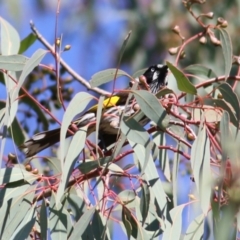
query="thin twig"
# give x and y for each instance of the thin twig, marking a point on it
(74, 74)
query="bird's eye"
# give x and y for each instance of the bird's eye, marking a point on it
(152, 69)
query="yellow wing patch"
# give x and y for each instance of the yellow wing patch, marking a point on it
(107, 103)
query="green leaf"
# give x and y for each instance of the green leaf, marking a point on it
(183, 82)
(13, 62)
(99, 116)
(151, 107)
(114, 168)
(10, 40)
(131, 225)
(210, 114)
(8, 175)
(150, 173)
(18, 135)
(200, 163)
(225, 106)
(27, 42)
(106, 76)
(175, 172)
(127, 196)
(226, 226)
(75, 107)
(173, 231)
(139, 73)
(225, 138)
(43, 220)
(100, 226)
(54, 164)
(121, 52)
(13, 212)
(58, 219)
(127, 224)
(29, 66)
(25, 227)
(134, 131)
(144, 201)
(12, 190)
(164, 92)
(231, 97)
(201, 70)
(226, 45)
(159, 139)
(238, 220)
(90, 165)
(72, 154)
(196, 228)
(75, 203)
(82, 224)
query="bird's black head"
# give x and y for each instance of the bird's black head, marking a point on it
(156, 77)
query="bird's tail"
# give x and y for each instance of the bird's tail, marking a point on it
(40, 141)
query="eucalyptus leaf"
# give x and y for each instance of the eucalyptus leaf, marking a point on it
(231, 97)
(151, 107)
(82, 224)
(183, 82)
(13, 62)
(201, 70)
(27, 42)
(196, 228)
(10, 40)
(200, 163)
(106, 76)
(226, 45)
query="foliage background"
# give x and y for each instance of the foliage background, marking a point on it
(95, 29)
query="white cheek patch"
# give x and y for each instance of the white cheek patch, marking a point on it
(38, 136)
(155, 75)
(159, 66)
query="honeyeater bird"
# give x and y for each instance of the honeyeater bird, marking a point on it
(153, 79)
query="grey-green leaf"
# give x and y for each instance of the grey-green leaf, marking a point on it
(76, 106)
(225, 106)
(127, 196)
(144, 201)
(183, 82)
(13, 62)
(173, 231)
(199, 69)
(231, 97)
(72, 154)
(200, 163)
(134, 131)
(82, 224)
(151, 107)
(225, 138)
(14, 174)
(9, 40)
(151, 174)
(58, 220)
(90, 165)
(226, 44)
(195, 229)
(35, 59)
(43, 220)
(106, 76)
